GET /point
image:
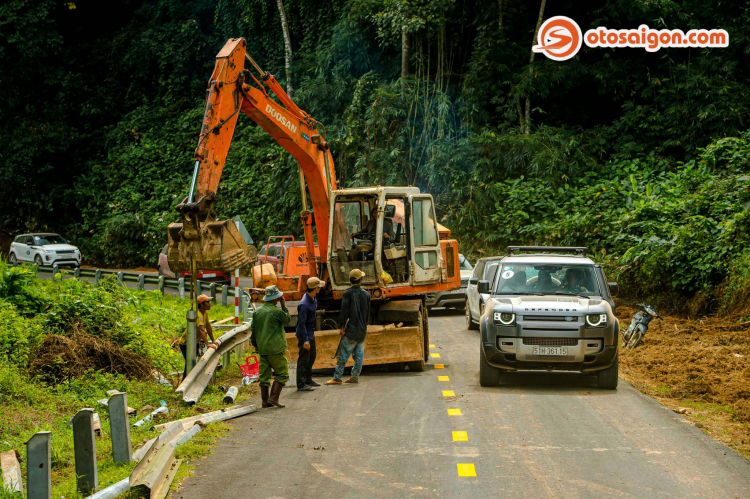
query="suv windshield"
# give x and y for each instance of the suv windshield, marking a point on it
(531, 278)
(49, 239)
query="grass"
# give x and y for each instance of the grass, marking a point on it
(30, 405)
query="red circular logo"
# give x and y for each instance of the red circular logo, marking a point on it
(559, 38)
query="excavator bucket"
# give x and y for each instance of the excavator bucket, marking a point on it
(220, 246)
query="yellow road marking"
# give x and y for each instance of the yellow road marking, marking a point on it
(454, 412)
(439, 366)
(466, 469)
(460, 436)
(443, 378)
(435, 355)
(432, 346)
(448, 393)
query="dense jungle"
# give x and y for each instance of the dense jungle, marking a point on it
(637, 155)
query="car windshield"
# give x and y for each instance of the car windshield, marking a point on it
(49, 239)
(534, 278)
(464, 263)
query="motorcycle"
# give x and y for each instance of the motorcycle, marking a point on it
(639, 325)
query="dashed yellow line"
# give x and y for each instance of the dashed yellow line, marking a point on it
(448, 393)
(460, 436)
(432, 346)
(439, 366)
(435, 355)
(466, 469)
(454, 412)
(443, 378)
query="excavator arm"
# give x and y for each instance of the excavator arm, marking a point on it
(199, 241)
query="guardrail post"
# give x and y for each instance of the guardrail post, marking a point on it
(119, 428)
(199, 288)
(55, 270)
(85, 451)
(141, 282)
(38, 466)
(224, 295)
(120, 276)
(245, 301)
(181, 286)
(192, 318)
(98, 276)
(77, 273)
(161, 284)
(212, 290)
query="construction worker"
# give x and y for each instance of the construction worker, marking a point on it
(269, 339)
(204, 329)
(355, 310)
(306, 311)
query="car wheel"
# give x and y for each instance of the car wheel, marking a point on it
(607, 378)
(38, 261)
(488, 375)
(12, 259)
(470, 324)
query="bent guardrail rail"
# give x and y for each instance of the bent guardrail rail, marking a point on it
(194, 384)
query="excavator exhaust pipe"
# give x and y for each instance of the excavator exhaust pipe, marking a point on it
(219, 246)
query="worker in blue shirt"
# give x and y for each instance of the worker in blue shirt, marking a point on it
(306, 311)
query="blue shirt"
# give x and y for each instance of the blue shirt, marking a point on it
(306, 311)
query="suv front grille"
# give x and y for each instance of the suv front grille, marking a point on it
(550, 342)
(548, 318)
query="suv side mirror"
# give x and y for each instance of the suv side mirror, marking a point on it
(474, 280)
(484, 287)
(613, 288)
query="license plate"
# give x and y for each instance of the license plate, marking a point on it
(209, 275)
(550, 351)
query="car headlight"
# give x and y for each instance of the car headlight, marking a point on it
(504, 318)
(596, 320)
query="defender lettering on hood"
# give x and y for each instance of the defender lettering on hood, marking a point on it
(281, 119)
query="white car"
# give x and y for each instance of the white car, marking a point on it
(484, 270)
(44, 249)
(457, 297)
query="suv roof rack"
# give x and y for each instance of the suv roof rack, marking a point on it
(580, 250)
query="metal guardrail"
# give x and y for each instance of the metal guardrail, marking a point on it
(182, 285)
(194, 384)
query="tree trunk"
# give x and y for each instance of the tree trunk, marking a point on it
(527, 121)
(500, 17)
(287, 48)
(405, 52)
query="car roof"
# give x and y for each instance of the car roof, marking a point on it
(39, 234)
(549, 258)
(490, 258)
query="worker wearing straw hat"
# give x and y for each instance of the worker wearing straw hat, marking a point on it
(269, 339)
(204, 330)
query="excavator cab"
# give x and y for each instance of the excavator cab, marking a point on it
(390, 233)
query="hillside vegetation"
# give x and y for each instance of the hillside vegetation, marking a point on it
(634, 154)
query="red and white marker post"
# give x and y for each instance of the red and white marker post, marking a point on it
(237, 296)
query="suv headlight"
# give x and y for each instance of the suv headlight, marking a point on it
(504, 318)
(596, 320)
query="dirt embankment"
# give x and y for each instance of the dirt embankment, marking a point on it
(700, 367)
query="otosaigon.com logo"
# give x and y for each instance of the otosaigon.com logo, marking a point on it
(560, 38)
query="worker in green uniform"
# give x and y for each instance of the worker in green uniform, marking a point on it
(269, 339)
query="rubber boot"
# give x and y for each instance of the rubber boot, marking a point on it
(264, 395)
(273, 400)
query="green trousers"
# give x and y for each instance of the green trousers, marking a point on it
(279, 365)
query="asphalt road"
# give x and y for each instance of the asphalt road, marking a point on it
(539, 435)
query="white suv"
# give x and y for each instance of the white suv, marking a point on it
(44, 249)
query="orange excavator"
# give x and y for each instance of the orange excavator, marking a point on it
(390, 233)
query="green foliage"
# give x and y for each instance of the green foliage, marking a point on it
(633, 152)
